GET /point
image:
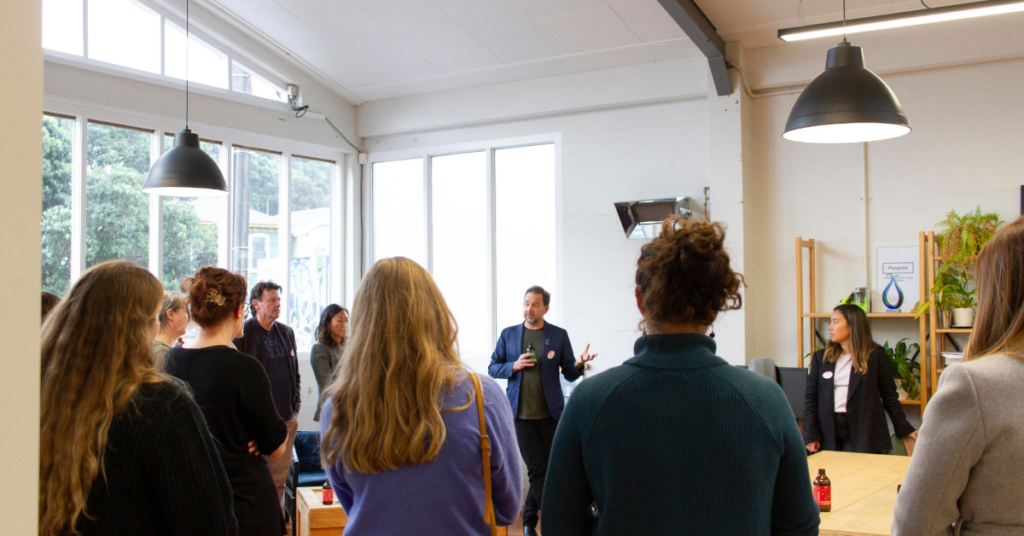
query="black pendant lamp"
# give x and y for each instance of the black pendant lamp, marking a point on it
(185, 170)
(846, 104)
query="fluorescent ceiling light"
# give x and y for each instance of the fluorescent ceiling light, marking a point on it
(899, 20)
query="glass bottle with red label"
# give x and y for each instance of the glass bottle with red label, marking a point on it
(327, 496)
(823, 491)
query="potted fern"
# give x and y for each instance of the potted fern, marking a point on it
(908, 370)
(960, 240)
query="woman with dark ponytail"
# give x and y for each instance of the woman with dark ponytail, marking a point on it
(850, 388)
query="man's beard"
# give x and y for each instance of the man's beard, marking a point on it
(531, 322)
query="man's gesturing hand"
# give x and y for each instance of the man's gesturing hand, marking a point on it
(587, 356)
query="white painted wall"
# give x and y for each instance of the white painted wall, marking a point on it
(20, 208)
(610, 151)
(964, 151)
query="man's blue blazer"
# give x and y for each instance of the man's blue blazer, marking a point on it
(508, 350)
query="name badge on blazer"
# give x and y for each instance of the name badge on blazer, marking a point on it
(827, 374)
(551, 354)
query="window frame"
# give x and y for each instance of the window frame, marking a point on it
(489, 147)
(341, 179)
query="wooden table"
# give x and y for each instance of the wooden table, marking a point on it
(317, 519)
(863, 491)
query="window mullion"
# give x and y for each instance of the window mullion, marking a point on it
(337, 232)
(79, 171)
(284, 236)
(156, 220)
(492, 238)
(429, 211)
(163, 45)
(224, 225)
(85, 36)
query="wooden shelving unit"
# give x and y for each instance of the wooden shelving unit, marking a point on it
(937, 339)
(812, 316)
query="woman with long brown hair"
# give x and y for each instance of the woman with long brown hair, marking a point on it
(123, 449)
(969, 464)
(850, 388)
(233, 391)
(676, 440)
(401, 432)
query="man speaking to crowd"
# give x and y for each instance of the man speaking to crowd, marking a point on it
(529, 355)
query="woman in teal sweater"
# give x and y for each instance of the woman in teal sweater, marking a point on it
(675, 440)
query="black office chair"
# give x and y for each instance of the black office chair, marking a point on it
(305, 471)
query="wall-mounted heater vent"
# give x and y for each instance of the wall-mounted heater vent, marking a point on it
(642, 219)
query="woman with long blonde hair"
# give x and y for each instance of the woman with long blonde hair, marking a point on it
(401, 435)
(123, 449)
(969, 463)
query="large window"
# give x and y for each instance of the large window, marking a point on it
(310, 245)
(190, 227)
(201, 62)
(398, 211)
(491, 220)
(63, 26)
(524, 225)
(175, 236)
(117, 212)
(125, 33)
(262, 171)
(58, 136)
(128, 33)
(460, 235)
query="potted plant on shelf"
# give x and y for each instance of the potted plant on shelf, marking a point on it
(960, 241)
(908, 370)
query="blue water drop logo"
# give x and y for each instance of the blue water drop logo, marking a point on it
(899, 292)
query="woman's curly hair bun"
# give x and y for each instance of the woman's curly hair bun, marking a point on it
(684, 275)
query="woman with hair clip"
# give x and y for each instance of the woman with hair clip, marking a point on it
(326, 352)
(123, 450)
(233, 391)
(402, 434)
(850, 388)
(969, 465)
(676, 440)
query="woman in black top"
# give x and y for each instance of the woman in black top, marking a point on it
(123, 449)
(233, 392)
(850, 388)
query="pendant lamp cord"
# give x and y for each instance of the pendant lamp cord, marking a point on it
(844, 21)
(925, 5)
(186, 63)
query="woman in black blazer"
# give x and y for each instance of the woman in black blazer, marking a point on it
(850, 388)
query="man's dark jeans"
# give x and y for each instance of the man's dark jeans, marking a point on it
(534, 437)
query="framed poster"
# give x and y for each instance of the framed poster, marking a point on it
(897, 280)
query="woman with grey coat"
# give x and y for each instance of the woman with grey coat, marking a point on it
(967, 474)
(326, 352)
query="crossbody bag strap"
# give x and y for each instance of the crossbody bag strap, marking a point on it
(485, 449)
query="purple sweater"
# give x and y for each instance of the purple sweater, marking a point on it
(445, 496)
